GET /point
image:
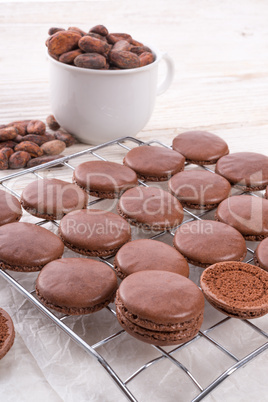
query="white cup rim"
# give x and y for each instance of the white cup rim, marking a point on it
(158, 55)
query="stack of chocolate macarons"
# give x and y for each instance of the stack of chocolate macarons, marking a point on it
(156, 302)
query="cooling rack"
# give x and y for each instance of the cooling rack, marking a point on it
(120, 147)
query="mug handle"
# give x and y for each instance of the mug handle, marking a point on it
(163, 86)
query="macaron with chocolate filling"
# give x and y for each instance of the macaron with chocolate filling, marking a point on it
(153, 163)
(94, 232)
(147, 254)
(150, 208)
(237, 289)
(7, 333)
(10, 208)
(76, 285)
(159, 307)
(52, 198)
(26, 247)
(104, 179)
(246, 213)
(261, 255)
(200, 147)
(199, 189)
(248, 170)
(205, 242)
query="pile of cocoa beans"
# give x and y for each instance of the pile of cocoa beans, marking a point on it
(97, 49)
(27, 143)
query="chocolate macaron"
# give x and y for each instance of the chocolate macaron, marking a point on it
(26, 247)
(150, 208)
(94, 232)
(200, 147)
(246, 213)
(52, 198)
(261, 254)
(159, 307)
(10, 208)
(153, 163)
(248, 170)
(199, 189)
(237, 289)
(76, 285)
(147, 254)
(7, 333)
(104, 179)
(206, 242)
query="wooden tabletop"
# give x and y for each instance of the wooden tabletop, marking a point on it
(219, 49)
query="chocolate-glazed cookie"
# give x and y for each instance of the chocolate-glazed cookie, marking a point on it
(200, 147)
(206, 242)
(147, 254)
(94, 232)
(236, 289)
(246, 213)
(104, 179)
(10, 209)
(7, 333)
(153, 163)
(150, 208)
(248, 170)
(52, 198)
(261, 254)
(159, 307)
(26, 247)
(76, 285)
(199, 189)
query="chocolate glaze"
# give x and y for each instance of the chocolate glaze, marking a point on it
(206, 242)
(25, 245)
(104, 179)
(261, 254)
(200, 147)
(199, 188)
(248, 169)
(10, 209)
(154, 163)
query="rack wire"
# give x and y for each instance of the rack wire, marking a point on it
(123, 145)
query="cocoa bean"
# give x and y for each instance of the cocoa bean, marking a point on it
(36, 127)
(8, 144)
(95, 35)
(78, 30)
(146, 58)
(67, 138)
(3, 160)
(124, 59)
(37, 139)
(52, 123)
(115, 37)
(68, 57)
(43, 159)
(62, 42)
(90, 60)
(7, 151)
(53, 30)
(19, 159)
(3, 126)
(19, 138)
(122, 45)
(33, 149)
(99, 29)
(140, 49)
(93, 45)
(23, 123)
(54, 147)
(8, 133)
(135, 42)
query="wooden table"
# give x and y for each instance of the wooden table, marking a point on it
(221, 85)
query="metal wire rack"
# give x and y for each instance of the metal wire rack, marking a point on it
(122, 146)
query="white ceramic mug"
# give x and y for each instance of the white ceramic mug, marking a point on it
(102, 105)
